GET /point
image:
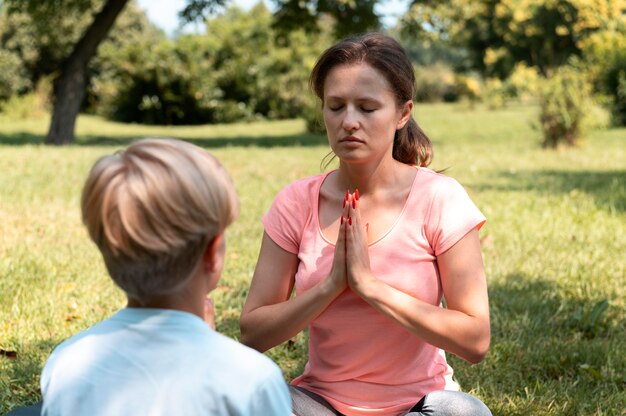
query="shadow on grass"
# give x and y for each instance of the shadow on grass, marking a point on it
(608, 188)
(305, 139)
(543, 332)
(551, 346)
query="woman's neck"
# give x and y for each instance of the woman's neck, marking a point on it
(370, 177)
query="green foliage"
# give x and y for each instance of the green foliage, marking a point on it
(33, 105)
(522, 86)
(45, 31)
(36, 36)
(553, 248)
(348, 16)
(13, 77)
(438, 83)
(605, 54)
(434, 83)
(313, 116)
(17, 55)
(565, 102)
(497, 34)
(239, 71)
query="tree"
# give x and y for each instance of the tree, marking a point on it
(70, 83)
(501, 33)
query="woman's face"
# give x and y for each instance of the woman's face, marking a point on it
(360, 113)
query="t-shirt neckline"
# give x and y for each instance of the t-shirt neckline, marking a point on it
(393, 226)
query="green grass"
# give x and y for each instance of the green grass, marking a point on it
(553, 246)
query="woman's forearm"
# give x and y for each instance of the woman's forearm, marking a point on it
(451, 330)
(267, 326)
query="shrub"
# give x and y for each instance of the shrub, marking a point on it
(523, 83)
(494, 94)
(313, 116)
(605, 53)
(565, 98)
(434, 83)
(35, 104)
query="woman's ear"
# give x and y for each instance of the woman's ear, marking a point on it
(405, 115)
(212, 258)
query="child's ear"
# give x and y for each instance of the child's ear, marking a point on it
(210, 258)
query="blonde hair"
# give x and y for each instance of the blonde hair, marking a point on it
(152, 209)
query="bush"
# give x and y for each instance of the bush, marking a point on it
(523, 83)
(613, 86)
(313, 116)
(565, 100)
(35, 104)
(239, 71)
(467, 88)
(605, 53)
(494, 94)
(434, 83)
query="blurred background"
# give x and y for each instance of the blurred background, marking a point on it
(192, 62)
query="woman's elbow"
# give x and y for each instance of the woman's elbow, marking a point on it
(248, 337)
(479, 350)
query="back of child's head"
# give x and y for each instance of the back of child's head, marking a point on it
(152, 209)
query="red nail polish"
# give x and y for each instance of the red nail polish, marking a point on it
(347, 195)
(350, 220)
(342, 220)
(354, 203)
(344, 203)
(356, 194)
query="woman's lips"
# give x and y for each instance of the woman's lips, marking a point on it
(351, 140)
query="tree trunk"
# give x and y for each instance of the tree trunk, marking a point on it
(69, 86)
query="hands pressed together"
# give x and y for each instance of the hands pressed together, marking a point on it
(351, 264)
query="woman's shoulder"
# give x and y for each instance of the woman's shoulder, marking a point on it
(302, 188)
(429, 179)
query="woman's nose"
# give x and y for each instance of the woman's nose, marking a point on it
(350, 120)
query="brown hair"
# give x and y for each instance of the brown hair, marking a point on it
(410, 145)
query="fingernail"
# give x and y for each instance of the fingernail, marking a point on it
(354, 203)
(342, 219)
(347, 195)
(350, 220)
(344, 203)
(356, 194)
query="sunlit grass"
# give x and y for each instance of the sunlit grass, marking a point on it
(554, 248)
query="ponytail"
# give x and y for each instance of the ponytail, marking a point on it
(412, 146)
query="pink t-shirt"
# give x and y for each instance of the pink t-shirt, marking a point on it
(361, 361)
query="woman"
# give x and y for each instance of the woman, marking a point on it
(404, 236)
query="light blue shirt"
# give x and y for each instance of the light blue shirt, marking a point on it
(144, 361)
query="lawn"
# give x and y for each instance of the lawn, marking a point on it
(554, 248)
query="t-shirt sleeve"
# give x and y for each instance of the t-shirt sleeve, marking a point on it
(452, 215)
(285, 219)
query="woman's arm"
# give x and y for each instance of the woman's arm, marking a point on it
(463, 327)
(270, 315)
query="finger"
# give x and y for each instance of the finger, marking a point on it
(341, 236)
(340, 246)
(357, 222)
(346, 206)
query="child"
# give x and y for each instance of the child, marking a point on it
(157, 212)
